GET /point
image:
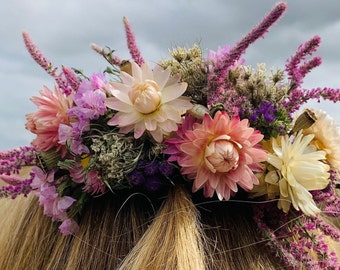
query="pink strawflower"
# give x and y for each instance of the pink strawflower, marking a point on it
(173, 144)
(220, 153)
(52, 108)
(148, 100)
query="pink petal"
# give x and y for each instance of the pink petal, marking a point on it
(201, 178)
(139, 129)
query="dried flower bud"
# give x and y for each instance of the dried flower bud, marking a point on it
(305, 120)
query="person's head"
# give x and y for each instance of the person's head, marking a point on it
(198, 163)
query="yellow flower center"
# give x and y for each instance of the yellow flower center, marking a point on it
(221, 155)
(145, 96)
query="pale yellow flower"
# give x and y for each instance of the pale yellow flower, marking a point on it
(298, 168)
(327, 137)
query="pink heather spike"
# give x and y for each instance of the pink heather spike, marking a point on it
(11, 179)
(259, 31)
(112, 59)
(38, 56)
(309, 65)
(296, 73)
(299, 96)
(131, 43)
(236, 52)
(71, 77)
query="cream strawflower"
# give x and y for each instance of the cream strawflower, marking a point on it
(327, 137)
(299, 168)
(148, 100)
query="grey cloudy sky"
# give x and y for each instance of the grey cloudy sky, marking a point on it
(64, 30)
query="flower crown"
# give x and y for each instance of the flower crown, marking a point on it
(210, 122)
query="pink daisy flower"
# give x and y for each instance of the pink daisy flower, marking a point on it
(220, 154)
(52, 108)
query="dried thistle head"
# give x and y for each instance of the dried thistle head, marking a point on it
(263, 94)
(257, 85)
(189, 65)
(114, 157)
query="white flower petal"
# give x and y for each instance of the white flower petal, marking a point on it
(126, 78)
(157, 135)
(136, 72)
(115, 104)
(147, 73)
(150, 124)
(173, 91)
(121, 95)
(126, 119)
(161, 77)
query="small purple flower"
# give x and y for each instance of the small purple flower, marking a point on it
(267, 111)
(166, 169)
(151, 168)
(153, 183)
(136, 178)
(68, 226)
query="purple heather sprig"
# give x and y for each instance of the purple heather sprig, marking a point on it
(328, 198)
(131, 43)
(13, 160)
(307, 237)
(275, 243)
(308, 247)
(11, 164)
(38, 56)
(216, 84)
(71, 78)
(298, 97)
(296, 73)
(22, 187)
(309, 65)
(66, 80)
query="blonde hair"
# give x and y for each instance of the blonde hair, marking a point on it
(130, 232)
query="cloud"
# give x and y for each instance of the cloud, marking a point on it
(65, 29)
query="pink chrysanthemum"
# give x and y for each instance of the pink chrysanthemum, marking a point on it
(221, 153)
(148, 100)
(52, 108)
